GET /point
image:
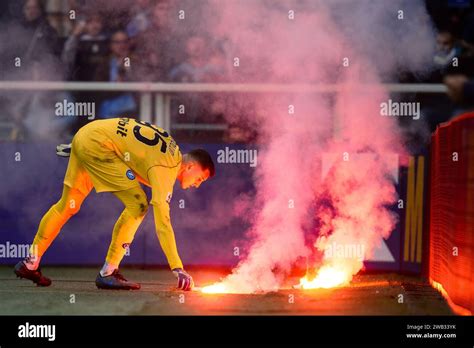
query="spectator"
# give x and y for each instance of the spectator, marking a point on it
(117, 68)
(85, 49)
(158, 44)
(204, 63)
(458, 99)
(447, 49)
(37, 42)
(201, 65)
(141, 18)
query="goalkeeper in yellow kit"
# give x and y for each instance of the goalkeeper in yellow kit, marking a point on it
(116, 155)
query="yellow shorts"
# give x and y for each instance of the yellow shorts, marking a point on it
(92, 164)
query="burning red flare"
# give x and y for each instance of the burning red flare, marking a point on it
(217, 288)
(327, 277)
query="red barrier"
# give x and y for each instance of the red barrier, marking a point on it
(451, 266)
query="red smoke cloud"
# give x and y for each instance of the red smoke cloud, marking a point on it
(335, 150)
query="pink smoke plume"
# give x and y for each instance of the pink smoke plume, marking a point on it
(335, 151)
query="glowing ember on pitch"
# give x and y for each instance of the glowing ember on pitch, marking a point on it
(327, 277)
(217, 288)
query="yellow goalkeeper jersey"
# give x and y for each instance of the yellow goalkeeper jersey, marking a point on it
(120, 152)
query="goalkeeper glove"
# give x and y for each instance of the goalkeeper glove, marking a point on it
(185, 281)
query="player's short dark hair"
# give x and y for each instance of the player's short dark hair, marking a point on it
(204, 159)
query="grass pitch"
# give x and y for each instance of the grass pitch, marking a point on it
(73, 292)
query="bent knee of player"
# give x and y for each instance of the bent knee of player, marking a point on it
(69, 206)
(139, 209)
(69, 209)
(143, 209)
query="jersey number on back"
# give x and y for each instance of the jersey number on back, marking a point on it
(151, 142)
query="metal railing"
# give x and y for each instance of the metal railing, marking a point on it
(158, 95)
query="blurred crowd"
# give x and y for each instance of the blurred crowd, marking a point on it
(137, 42)
(99, 40)
(125, 44)
(454, 58)
(453, 66)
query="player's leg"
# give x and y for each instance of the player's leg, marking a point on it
(53, 221)
(108, 173)
(77, 185)
(136, 206)
(49, 227)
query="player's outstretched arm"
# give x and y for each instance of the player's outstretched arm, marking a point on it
(165, 234)
(162, 180)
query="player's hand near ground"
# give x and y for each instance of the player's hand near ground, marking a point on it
(185, 281)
